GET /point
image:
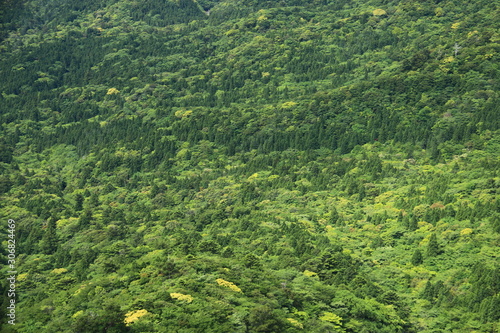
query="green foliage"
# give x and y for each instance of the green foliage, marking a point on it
(433, 246)
(333, 164)
(417, 257)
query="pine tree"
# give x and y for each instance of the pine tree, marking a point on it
(417, 258)
(78, 202)
(85, 219)
(49, 240)
(495, 222)
(334, 216)
(94, 200)
(155, 190)
(433, 246)
(428, 292)
(412, 223)
(400, 217)
(80, 270)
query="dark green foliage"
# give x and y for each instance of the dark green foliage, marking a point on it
(334, 216)
(433, 248)
(490, 309)
(251, 261)
(495, 222)
(162, 13)
(85, 219)
(49, 240)
(107, 319)
(264, 319)
(5, 184)
(79, 202)
(417, 257)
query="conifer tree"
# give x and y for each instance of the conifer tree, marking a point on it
(49, 240)
(432, 247)
(334, 216)
(495, 222)
(78, 202)
(85, 219)
(412, 223)
(417, 258)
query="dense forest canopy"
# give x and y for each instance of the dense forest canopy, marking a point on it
(251, 166)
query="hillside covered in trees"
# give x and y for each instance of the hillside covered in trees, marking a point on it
(251, 166)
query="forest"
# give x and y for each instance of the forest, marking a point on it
(213, 166)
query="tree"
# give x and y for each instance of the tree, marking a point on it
(433, 247)
(251, 261)
(334, 216)
(94, 200)
(5, 153)
(155, 190)
(97, 320)
(49, 240)
(417, 258)
(85, 219)
(495, 222)
(412, 223)
(80, 270)
(5, 184)
(264, 319)
(79, 202)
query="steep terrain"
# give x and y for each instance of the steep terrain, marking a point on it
(251, 166)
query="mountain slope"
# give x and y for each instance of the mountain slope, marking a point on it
(309, 166)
